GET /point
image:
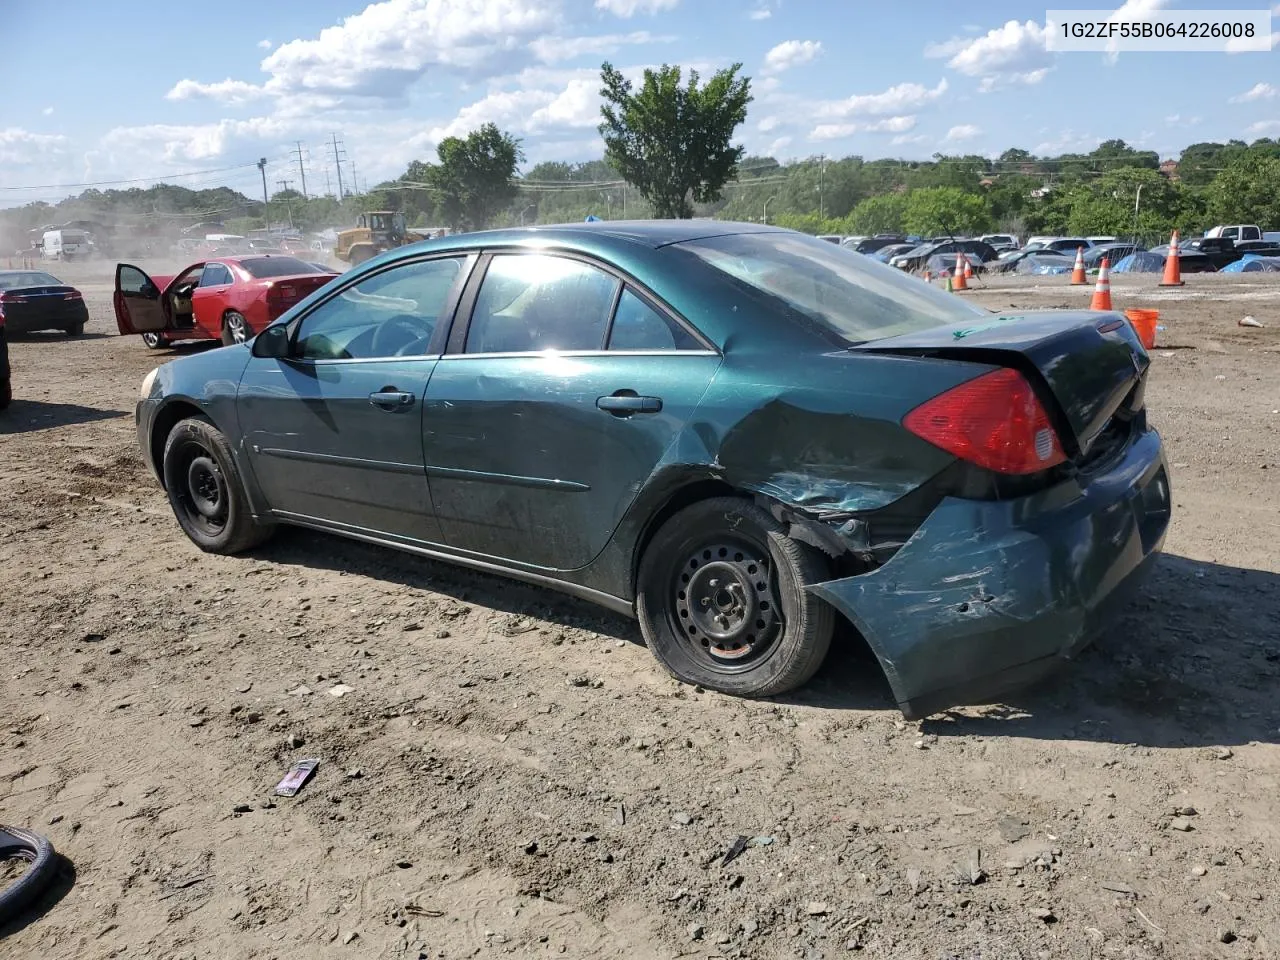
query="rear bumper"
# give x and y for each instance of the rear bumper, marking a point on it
(58, 319)
(988, 596)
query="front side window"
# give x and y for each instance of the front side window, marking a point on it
(849, 295)
(535, 302)
(390, 314)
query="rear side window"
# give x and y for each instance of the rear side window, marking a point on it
(853, 297)
(637, 326)
(534, 302)
(215, 275)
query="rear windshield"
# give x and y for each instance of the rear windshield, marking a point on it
(850, 295)
(12, 281)
(276, 267)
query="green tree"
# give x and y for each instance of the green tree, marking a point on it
(945, 210)
(672, 142)
(883, 214)
(1247, 191)
(473, 180)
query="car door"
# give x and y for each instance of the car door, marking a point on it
(333, 432)
(138, 302)
(209, 298)
(552, 407)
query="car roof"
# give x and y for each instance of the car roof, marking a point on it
(647, 233)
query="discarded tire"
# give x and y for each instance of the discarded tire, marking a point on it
(18, 844)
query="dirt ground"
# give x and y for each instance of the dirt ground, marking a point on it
(510, 773)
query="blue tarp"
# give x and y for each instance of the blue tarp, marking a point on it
(1046, 265)
(1252, 263)
(591, 218)
(1142, 262)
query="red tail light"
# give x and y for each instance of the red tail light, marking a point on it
(73, 295)
(12, 298)
(995, 421)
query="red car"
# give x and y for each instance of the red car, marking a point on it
(228, 298)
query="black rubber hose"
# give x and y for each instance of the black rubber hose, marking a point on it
(19, 844)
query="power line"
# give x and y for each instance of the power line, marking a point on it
(107, 183)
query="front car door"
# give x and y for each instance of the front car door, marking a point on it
(138, 302)
(209, 298)
(553, 406)
(333, 433)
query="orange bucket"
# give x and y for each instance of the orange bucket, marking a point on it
(1144, 322)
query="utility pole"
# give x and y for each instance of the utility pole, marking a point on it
(822, 177)
(262, 169)
(337, 163)
(285, 184)
(302, 170)
(355, 181)
(328, 187)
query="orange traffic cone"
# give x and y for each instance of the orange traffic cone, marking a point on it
(958, 281)
(1172, 265)
(1078, 277)
(928, 276)
(968, 270)
(1102, 291)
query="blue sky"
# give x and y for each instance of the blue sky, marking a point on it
(164, 91)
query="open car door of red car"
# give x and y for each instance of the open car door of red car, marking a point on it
(139, 301)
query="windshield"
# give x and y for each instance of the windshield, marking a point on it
(276, 267)
(849, 294)
(13, 281)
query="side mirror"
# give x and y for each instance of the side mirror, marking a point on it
(272, 342)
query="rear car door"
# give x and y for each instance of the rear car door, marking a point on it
(138, 302)
(209, 298)
(552, 407)
(334, 431)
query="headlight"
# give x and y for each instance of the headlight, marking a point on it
(147, 381)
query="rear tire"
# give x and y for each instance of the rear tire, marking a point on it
(721, 600)
(235, 328)
(76, 329)
(206, 491)
(6, 393)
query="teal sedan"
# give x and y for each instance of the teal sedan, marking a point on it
(735, 433)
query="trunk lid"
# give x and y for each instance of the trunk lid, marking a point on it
(1086, 365)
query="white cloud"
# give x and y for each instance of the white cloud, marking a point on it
(778, 146)
(47, 111)
(1264, 128)
(962, 132)
(897, 99)
(540, 101)
(224, 91)
(945, 48)
(1130, 11)
(1000, 81)
(791, 53)
(629, 8)
(769, 124)
(837, 131)
(761, 13)
(555, 49)
(381, 51)
(1259, 91)
(1067, 142)
(19, 146)
(1014, 48)
(908, 138)
(1178, 120)
(265, 44)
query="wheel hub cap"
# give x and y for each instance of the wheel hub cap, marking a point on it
(205, 484)
(725, 601)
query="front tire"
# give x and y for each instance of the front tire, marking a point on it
(153, 341)
(235, 328)
(721, 600)
(206, 491)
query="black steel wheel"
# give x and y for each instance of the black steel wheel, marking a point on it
(205, 489)
(235, 329)
(721, 600)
